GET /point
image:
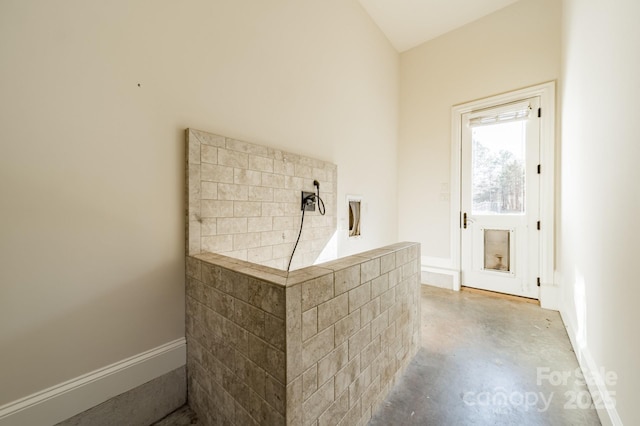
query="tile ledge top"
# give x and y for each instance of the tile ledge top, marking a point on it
(288, 279)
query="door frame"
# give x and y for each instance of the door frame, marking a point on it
(546, 91)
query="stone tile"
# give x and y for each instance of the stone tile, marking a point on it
(233, 158)
(250, 318)
(402, 257)
(268, 297)
(318, 403)
(266, 356)
(246, 241)
(237, 337)
(293, 325)
(387, 263)
(208, 154)
(347, 327)
(232, 192)
(359, 340)
(274, 331)
(259, 254)
(347, 375)
(317, 347)
(370, 394)
(379, 324)
(309, 323)
(370, 352)
(317, 291)
(208, 190)
(275, 393)
(259, 163)
(291, 182)
(247, 209)
(216, 173)
(379, 285)
(250, 373)
(246, 177)
(242, 417)
(217, 208)
(295, 412)
(194, 237)
(353, 415)
(395, 276)
(217, 243)
(357, 388)
(285, 222)
(259, 193)
(258, 224)
(193, 268)
(388, 336)
(272, 180)
(246, 147)
(369, 311)
(303, 171)
(359, 296)
(283, 167)
(369, 270)
(220, 302)
(334, 361)
(332, 311)
(309, 381)
(193, 149)
(347, 279)
(309, 273)
(286, 196)
(208, 227)
(207, 138)
(409, 269)
(336, 411)
(387, 299)
(237, 254)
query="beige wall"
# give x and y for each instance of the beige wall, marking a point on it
(92, 165)
(600, 201)
(513, 48)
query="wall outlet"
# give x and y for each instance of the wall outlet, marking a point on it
(308, 205)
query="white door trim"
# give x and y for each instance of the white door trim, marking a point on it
(547, 92)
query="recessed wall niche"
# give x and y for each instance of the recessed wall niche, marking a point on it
(354, 205)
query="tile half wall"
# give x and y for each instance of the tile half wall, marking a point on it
(322, 345)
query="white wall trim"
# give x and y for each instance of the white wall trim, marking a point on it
(455, 275)
(441, 265)
(74, 396)
(436, 262)
(547, 93)
(597, 387)
(550, 297)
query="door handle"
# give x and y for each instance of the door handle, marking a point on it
(464, 220)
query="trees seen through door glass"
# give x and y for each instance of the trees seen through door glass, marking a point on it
(498, 161)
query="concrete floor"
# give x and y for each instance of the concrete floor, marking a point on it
(479, 365)
(486, 360)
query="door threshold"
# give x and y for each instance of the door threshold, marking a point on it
(501, 295)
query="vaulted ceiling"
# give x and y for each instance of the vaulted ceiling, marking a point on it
(408, 23)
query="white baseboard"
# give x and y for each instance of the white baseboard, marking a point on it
(550, 297)
(455, 277)
(597, 387)
(65, 400)
(436, 262)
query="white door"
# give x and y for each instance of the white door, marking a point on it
(500, 198)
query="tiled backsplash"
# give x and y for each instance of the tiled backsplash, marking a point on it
(244, 201)
(322, 345)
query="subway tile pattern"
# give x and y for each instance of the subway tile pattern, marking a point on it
(322, 345)
(244, 201)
